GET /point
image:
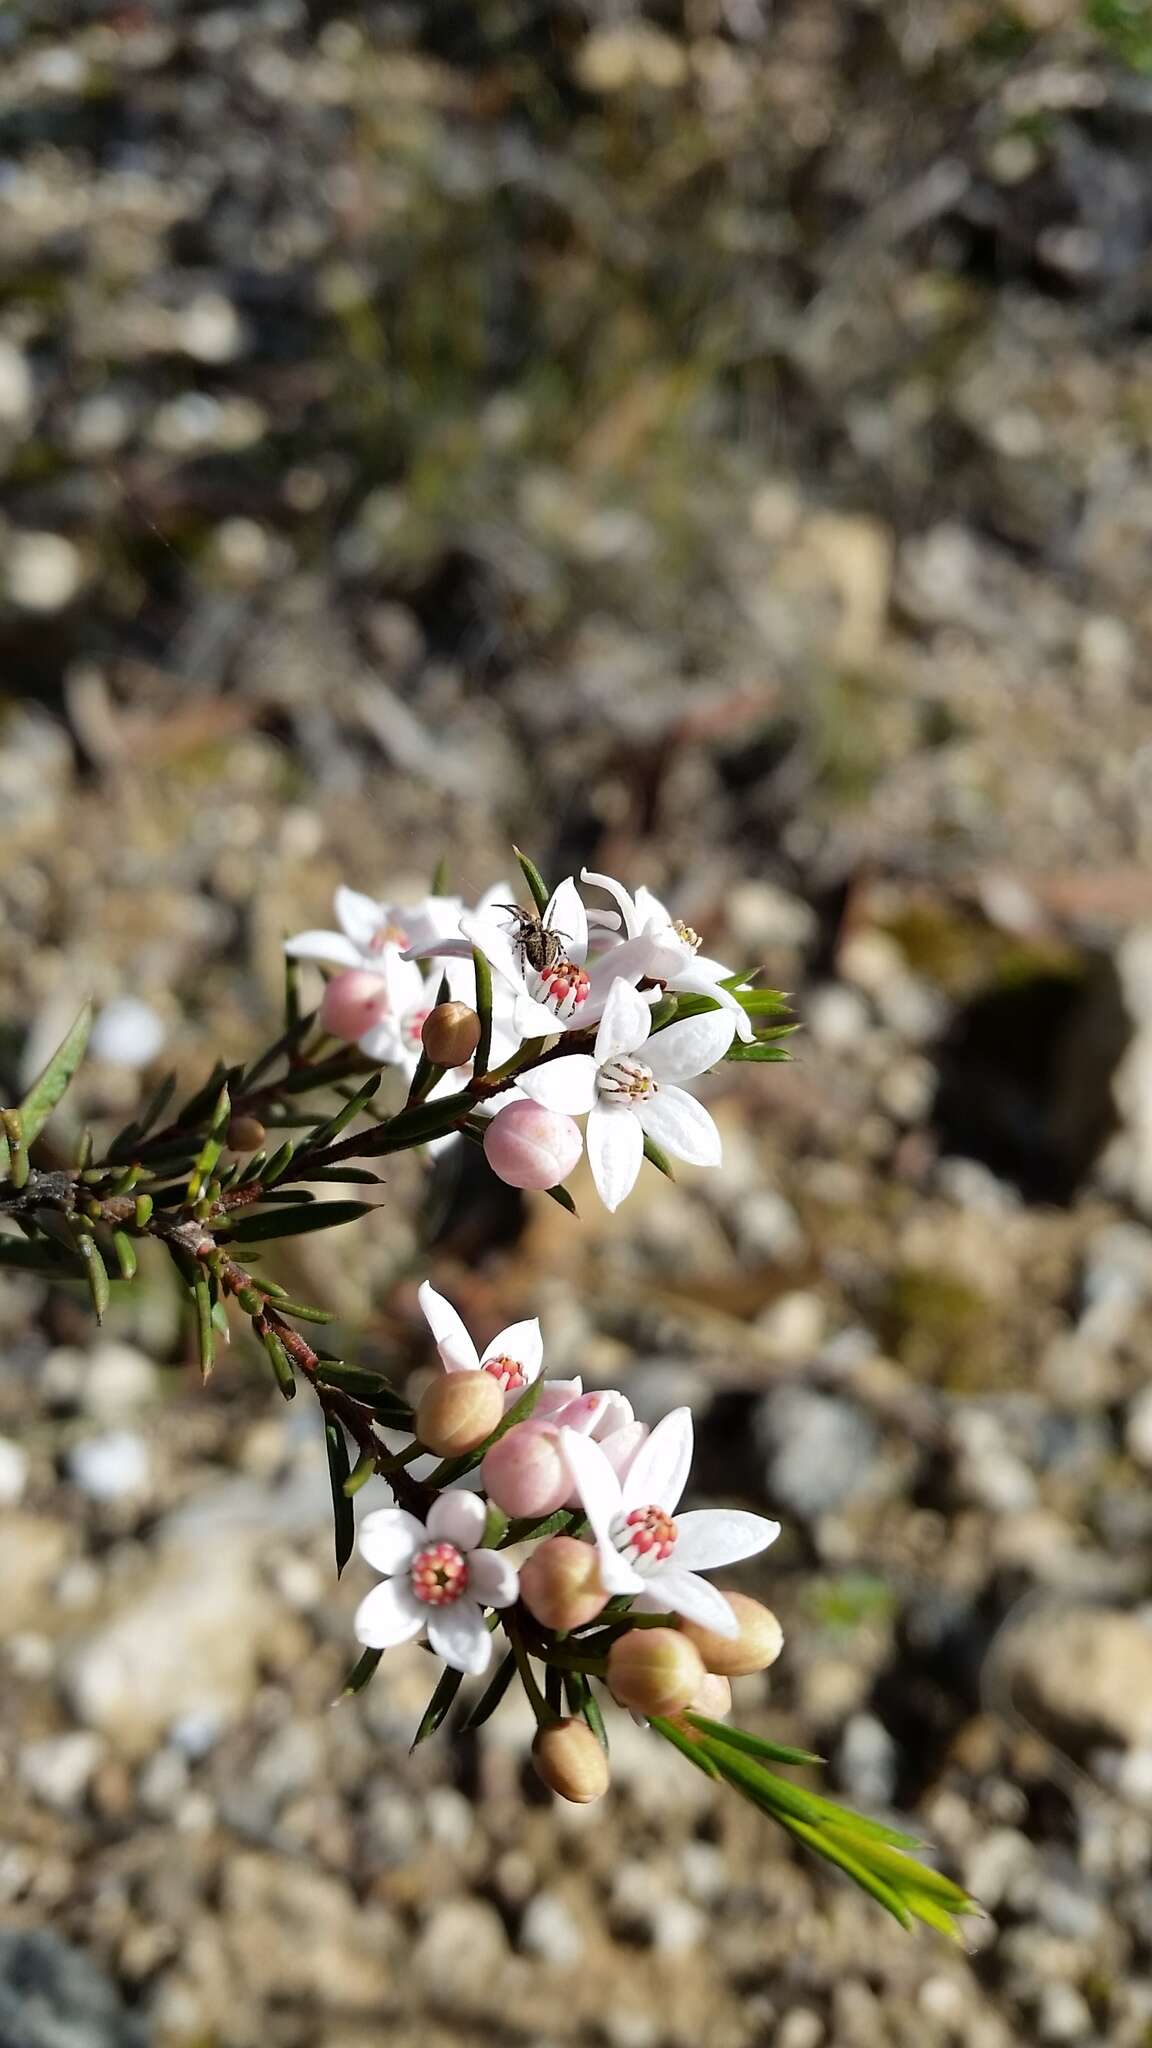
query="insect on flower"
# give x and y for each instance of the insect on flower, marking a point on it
(536, 942)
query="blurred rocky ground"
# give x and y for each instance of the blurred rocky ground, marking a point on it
(710, 440)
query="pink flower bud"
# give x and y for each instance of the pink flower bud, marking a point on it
(525, 1472)
(531, 1147)
(654, 1671)
(571, 1762)
(353, 1003)
(457, 1410)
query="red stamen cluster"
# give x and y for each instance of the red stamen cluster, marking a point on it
(439, 1575)
(650, 1533)
(565, 980)
(508, 1375)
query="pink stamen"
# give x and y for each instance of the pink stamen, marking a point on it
(506, 1373)
(439, 1575)
(650, 1533)
(566, 982)
(414, 1024)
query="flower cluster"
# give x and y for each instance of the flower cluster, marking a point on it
(528, 1512)
(601, 1014)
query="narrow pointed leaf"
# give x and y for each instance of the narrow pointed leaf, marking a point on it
(492, 1695)
(361, 1673)
(15, 1152)
(752, 1745)
(343, 1513)
(212, 1147)
(483, 1052)
(278, 1359)
(95, 1271)
(125, 1254)
(658, 1158)
(205, 1334)
(49, 1086)
(538, 887)
(291, 1222)
(561, 1195)
(438, 1706)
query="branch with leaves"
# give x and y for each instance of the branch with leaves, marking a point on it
(524, 1507)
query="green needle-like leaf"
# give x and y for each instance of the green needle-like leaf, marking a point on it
(438, 1706)
(291, 1222)
(483, 974)
(657, 1158)
(343, 1513)
(361, 1673)
(492, 1695)
(538, 887)
(49, 1086)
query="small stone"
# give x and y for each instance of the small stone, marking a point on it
(210, 329)
(16, 387)
(44, 571)
(116, 1382)
(53, 1996)
(116, 1466)
(13, 1472)
(819, 1449)
(462, 1942)
(837, 1017)
(867, 1761)
(1084, 1675)
(800, 2028)
(57, 1771)
(1063, 2014)
(550, 1931)
(761, 916)
(794, 1325)
(127, 1033)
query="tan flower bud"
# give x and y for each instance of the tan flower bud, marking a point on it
(246, 1134)
(560, 1583)
(714, 1697)
(571, 1762)
(758, 1644)
(654, 1670)
(458, 1412)
(450, 1034)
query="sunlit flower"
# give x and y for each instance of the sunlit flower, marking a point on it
(673, 950)
(566, 994)
(513, 1358)
(644, 1547)
(367, 927)
(627, 1097)
(436, 1581)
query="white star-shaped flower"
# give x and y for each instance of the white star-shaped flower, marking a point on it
(644, 1547)
(673, 954)
(513, 1358)
(629, 1086)
(436, 1581)
(568, 995)
(367, 927)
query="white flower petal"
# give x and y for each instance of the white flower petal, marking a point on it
(382, 1045)
(567, 917)
(554, 1396)
(452, 1340)
(630, 961)
(331, 947)
(599, 1492)
(531, 1019)
(619, 895)
(624, 1024)
(389, 1614)
(650, 910)
(491, 936)
(358, 915)
(457, 1518)
(682, 1592)
(615, 1144)
(389, 1538)
(707, 1537)
(682, 1125)
(523, 1343)
(458, 1635)
(567, 1084)
(690, 1047)
(621, 1445)
(492, 1578)
(658, 1474)
(694, 980)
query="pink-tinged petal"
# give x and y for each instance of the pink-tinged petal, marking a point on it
(389, 1539)
(554, 1398)
(492, 1578)
(457, 1518)
(586, 1413)
(439, 949)
(708, 1537)
(521, 1342)
(567, 917)
(567, 1084)
(617, 1414)
(619, 895)
(682, 1126)
(682, 1592)
(625, 1022)
(458, 1635)
(599, 1492)
(689, 1048)
(331, 947)
(389, 1614)
(658, 1474)
(621, 1446)
(358, 915)
(615, 1144)
(455, 1346)
(403, 980)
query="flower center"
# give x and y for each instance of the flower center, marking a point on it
(387, 934)
(626, 1080)
(686, 935)
(646, 1536)
(439, 1574)
(564, 986)
(507, 1374)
